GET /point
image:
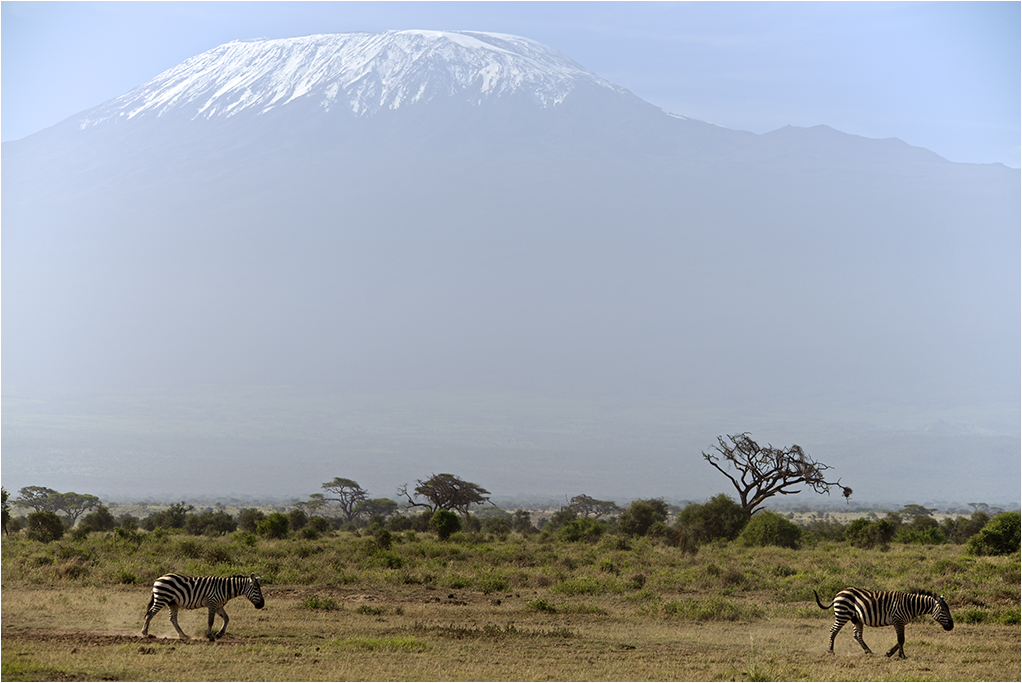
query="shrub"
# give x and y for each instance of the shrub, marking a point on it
(961, 529)
(298, 519)
(320, 524)
(768, 528)
(210, 524)
(100, 519)
(641, 515)
(275, 525)
(863, 533)
(583, 529)
(1000, 536)
(444, 523)
(173, 517)
(249, 518)
(45, 526)
(718, 518)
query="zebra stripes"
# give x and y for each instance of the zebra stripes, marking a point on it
(884, 608)
(192, 592)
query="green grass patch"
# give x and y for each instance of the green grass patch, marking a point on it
(395, 644)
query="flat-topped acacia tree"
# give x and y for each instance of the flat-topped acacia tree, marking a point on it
(765, 472)
(446, 492)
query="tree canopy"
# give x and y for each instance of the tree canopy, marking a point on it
(346, 493)
(766, 472)
(584, 506)
(446, 492)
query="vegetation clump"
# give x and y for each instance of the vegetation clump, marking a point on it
(1000, 536)
(769, 528)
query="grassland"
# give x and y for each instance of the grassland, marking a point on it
(345, 607)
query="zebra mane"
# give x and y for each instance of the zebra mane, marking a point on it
(920, 591)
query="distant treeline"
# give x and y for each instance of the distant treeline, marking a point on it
(720, 519)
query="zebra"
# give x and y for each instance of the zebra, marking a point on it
(884, 608)
(192, 592)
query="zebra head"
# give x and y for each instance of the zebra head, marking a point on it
(942, 614)
(253, 592)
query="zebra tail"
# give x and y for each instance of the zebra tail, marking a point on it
(152, 599)
(822, 606)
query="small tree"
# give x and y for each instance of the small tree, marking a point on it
(275, 525)
(174, 517)
(444, 523)
(249, 518)
(585, 506)
(100, 520)
(767, 472)
(446, 492)
(75, 504)
(641, 515)
(45, 526)
(39, 498)
(1002, 535)
(718, 518)
(376, 507)
(346, 493)
(768, 528)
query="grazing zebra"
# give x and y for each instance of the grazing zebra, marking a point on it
(884, 608)
(192, 592)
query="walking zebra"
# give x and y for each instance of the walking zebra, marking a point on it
(192, 592)
(884, 608)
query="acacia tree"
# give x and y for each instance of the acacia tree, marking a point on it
(39, 498)
(766, 472)
(446, 492)
(584, 505)
(75, 504)
(346, 493)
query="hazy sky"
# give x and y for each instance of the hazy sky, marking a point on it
(943, 75)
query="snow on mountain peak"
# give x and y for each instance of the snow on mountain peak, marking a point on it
(363, 73)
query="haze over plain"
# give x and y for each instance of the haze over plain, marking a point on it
(542, 300)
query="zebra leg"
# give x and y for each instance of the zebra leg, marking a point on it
(151, 611)
(209, 629)
(173, 620)
(900, 645)
(223, 615)
(839, 622)
(858, 636)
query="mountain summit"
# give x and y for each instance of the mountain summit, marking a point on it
(359, 74)
(555, 280)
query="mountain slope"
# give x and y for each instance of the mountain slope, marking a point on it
(412, 218)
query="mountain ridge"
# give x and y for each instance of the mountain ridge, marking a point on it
(796, 282)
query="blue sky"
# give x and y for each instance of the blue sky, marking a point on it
(943, 75)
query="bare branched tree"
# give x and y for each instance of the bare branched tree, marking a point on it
(765, 472)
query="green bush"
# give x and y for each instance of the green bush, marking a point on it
(768, 528)
(249, 518)
(583, 529)
(275, 525)
(45, 526)
(100, 519)
(445, 523)
(1000, 536)
(210, 524)
(718, 518)
(863, 533)
(641, 515)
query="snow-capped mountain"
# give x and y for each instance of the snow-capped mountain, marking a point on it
(436, 214)
(357, 73)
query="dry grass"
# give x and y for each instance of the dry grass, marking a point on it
(418, 633)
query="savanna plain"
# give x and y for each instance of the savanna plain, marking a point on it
(407, 606)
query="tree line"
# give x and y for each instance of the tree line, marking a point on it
(757, 473)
